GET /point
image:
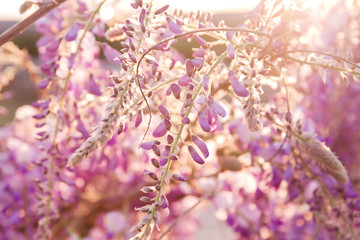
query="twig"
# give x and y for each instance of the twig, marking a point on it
(27, 22)
(325, 54)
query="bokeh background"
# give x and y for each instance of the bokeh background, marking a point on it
(23, 91)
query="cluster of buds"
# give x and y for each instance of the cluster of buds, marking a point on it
(324, 157)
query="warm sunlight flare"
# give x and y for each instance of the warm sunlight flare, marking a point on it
(153, 119)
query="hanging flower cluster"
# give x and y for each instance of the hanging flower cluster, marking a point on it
(129, 136)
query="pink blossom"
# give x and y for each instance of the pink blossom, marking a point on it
(238, 88)
(72, 32)
(195, 156)
(201, 145)
(173, 26)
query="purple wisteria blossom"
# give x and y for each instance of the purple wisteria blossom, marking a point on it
(131, 136)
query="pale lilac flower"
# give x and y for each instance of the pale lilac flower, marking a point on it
(197, 62)
(163, 110)
(138, 118)
(169, 139)
(230, 51)
(165, 155)
(200, 53)
(151, 174)
(173, 26)
(229, 35)
(216, 107)
(43, 84)
(204, 124)
(186, 120)
(72, 32)
(238, 88)
(178, 177)
(201, 41)
(176, 90)
(162, 9)
(162, 128)
(164, 202)
(184, 80)
(189, 68)
(195, 156)
(206, 82)
(201, 145)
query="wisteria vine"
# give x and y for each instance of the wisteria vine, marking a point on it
(131, 135)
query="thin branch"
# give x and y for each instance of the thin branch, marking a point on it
(27, 22)
(325, 54)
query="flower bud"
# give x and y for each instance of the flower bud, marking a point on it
(164, 202)
(156, 149)
(145, 199)
(205, 82)
(230, 51)
(325, 158)
(167, 124)
(229, 35)
(164, 112)
(184, 81)
(189, 68)
(170, 139)
(146, 190)
(200, 53)
(162, 9)
(151, 174)
(197, 62)
(142, 16)
(178, 177)
(201, 41)
(138, 119)
(72, 32)
(186, 120)
(165, 155)
(161, 130)
(174, 158)
(147, 145)
(132, 58)
(173, 26)
(43, 84)
(176, 90)
(155, 163)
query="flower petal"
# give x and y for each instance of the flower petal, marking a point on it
(162, 9)
(178, 177)
(184, 81)
(238, 88)
(160, 130)
(216, 107)
(173, 26)
(164, 112)
(72, 32)
(138, 119)
(201, 145)
(203, 122)
(195, 155)
(230, 51)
